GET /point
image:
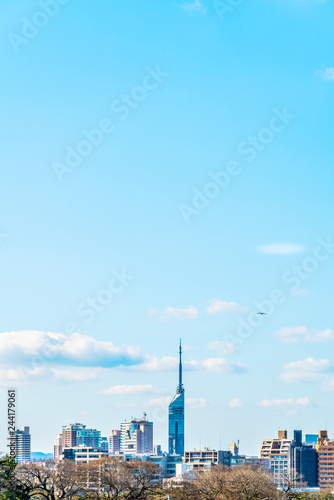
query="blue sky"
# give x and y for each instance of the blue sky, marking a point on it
(105, 265)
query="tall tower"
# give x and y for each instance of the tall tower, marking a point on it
(176, 416)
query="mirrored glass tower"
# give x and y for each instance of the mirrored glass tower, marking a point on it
(176, 417)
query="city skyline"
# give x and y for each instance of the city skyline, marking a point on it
(167, 174)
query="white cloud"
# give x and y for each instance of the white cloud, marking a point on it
(235, 403)
(24, 375)
(117, 390)
(291, 413)
(173, 312)
(43, 348)
(220, 365)
(281, 249)
(283, 403)
(194, 7)
(327, 74)
(220, 306)
(303, 334)
(308, 370)
(216, 365)
(222, 347)
(21, 375)
(75, 375)
(161, 402)
(328, 384)
(153, 364)
(196, 402)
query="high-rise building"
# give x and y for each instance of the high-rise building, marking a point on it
(78, 435)
(277, 451)
(311, 439)
(114, 441)
(70, 435)
(325, 449)
(23, 445)
(89, 437)
(176, 416)
(303, 462)
(137, 436)
(57, 447)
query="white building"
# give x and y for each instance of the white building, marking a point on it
(57, 447)
(137, 436)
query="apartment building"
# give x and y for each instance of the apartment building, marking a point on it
(277, 451)
(137, 436)
(23, 445)
(325, 452)
(206, 459)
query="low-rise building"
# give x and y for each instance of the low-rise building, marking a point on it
(206, 459)
(83, 454)
(264, 463)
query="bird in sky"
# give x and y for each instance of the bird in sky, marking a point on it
(261, 313)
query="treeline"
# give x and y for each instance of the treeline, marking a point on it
(113, 479)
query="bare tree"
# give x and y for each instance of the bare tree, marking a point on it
(114, 479)
(210, 485)
(50, 480)
(105, 477)
(141, 479)
(220, 483)
(290, 483)
(246, 483)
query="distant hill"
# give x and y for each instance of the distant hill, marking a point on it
(38, 455)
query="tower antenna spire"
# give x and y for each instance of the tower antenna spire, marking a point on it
(180, 386)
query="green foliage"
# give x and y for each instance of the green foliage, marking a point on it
(10, 487)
